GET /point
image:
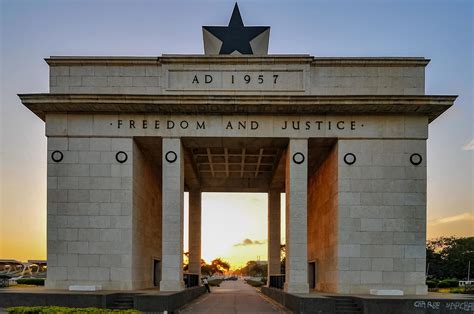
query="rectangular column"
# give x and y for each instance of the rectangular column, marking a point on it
(274, 237)
(195, 232)
(90, 212)
(296, 279)
(172, 221)
(382, 215)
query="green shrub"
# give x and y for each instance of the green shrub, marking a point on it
(448, 283)
(215, 282)
(431, 284)
(452, 282)
(443, 284)
(30, 281)
(60, 309)
(254, 283)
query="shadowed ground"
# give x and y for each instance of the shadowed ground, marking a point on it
(233, 297)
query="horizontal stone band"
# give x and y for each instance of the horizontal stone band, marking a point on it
(432, 106)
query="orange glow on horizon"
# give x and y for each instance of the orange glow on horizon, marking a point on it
(225, 229)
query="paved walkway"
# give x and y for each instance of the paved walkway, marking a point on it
(233, 297)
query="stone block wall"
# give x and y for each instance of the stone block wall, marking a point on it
(368, 80)
(382, 216)
(147, 219)
(105, 79)
(89, 213)
(322, 222)
(309, 76)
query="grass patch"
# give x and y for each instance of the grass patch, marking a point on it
(61, 309)
(254, 283)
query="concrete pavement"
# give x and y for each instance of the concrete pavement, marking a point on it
(233, 297)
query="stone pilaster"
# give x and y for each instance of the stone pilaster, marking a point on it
(90, 213)
(195, 232)
(274, 237)
(382, 216)
(172, 221)
(296, 279)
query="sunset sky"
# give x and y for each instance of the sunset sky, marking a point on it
(33, 30)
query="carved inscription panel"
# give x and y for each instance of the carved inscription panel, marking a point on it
(241, 80)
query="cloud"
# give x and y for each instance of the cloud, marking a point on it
(458, 225)
(247, 242)
(469, 146)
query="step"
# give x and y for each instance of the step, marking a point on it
(348, 308)
(123, 304)
(121, 307)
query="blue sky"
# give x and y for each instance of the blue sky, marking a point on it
(32, 30)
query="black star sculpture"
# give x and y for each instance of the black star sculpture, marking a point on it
(236, 36)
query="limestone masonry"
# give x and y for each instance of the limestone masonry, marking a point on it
(343, 138)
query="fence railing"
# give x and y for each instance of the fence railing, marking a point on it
(191, 280)
(277, 281)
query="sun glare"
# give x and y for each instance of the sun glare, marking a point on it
(234, 227)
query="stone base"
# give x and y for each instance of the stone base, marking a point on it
(313, 303)
(421, 290)
(386, 292)
(144, 300)
(84, 288)
(104, 285)
(296, 287)
(171, 285)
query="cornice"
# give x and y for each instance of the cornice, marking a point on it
(230, 59)
(430, 106)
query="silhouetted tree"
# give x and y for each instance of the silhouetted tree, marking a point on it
(220, 265)
(185, 261)
(283, 258)
(217, 266)
(448, 257)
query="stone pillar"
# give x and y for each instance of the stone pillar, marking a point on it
(90, 212)
(381, 216)
(296, 279)
(172, 221)
(195, 232)
(274, 238)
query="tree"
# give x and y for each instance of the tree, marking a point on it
(283, 258)
(254, 269)
(220, 265)
(448, 257)
(185, 261)
(217, 265)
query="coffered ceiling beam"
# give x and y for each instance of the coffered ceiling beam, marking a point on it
(242, 163)
(258, 162)
(209, 157)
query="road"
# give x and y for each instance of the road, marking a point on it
(233, 297)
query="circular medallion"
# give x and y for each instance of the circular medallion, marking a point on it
(298, 158)
(350, 158)
(57, 156)
(171, 157)
(416, 159)
(121, 157)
